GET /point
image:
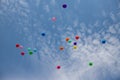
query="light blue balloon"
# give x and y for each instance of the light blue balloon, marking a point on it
(35, 50)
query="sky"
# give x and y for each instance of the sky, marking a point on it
(23, 21)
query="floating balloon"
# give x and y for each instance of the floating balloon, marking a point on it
(90, 64)
(35, 50)
(61, 48)
(75, 47)
(64, 5)
(67, 39)
(17, 45)
(21, 47)
(30, 52)
(75, 43)
(58, 67)
(103, 41)
(29, 49)
(22, 53)
(53, 18)
(43, 34)
(77, 37)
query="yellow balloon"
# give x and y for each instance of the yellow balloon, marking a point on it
(75, 47)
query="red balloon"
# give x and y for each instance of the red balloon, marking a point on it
(17, 45)
(61, 48)
(58, 67)
(22, 53)
(77, 37)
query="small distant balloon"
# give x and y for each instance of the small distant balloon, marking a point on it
(22, 53)
(43, 34)
(21, 47)
(17, 45)
(53, 18)
(90, 64)
(29, 49)
(58, 67)
(75, 43)
(35, 50)
(75, 47)
(67, 39)
(61, 48)
(103, 41)
(30, 52)
(64, 5)
(77, 37)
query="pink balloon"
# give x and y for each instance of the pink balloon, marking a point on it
(21, 47)
(53, 18)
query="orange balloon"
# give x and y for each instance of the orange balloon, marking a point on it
(67, 39)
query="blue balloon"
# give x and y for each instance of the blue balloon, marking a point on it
(35, 50)
(103, 41)
(43, 34)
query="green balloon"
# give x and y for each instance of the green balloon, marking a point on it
(69, 41)
(30, 52)
(90, 64)
(29, 49)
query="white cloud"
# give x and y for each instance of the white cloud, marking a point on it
(112, 30)
(113, 17)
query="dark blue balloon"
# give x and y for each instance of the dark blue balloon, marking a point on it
(64, 5)
(43, 34)
(75, 43)
(103, 41)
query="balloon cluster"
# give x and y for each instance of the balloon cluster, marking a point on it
(61, 48)
(30, 51)
(74, 43)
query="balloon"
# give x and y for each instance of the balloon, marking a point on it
(58, 67)
(43, 34)
(90, 64)
(35, 50)
(103, 41)
(17, 45)
(21, 47)
(77, 37)
(22, 53)
(29, 49)
(75, 47)
(64, 5)
(30, 52)
(53, 18)
(75, 43)
(61, 48)
(69, 41)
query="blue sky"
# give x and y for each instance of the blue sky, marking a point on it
(23, 21)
